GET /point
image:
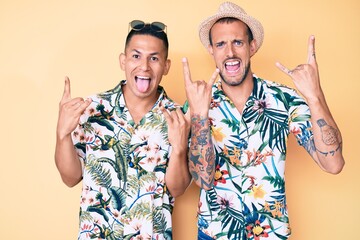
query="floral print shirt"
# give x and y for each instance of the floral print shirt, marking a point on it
(124, 195)
(248, 199)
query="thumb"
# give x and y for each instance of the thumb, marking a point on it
(213, 77)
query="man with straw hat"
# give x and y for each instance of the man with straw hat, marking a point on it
(239, 130)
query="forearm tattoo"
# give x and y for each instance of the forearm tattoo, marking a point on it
(329, 136)
(202, 156)
(328, 133)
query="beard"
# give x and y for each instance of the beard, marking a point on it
(242, 77)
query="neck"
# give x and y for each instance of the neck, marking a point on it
(239, 94)
(241, 91)
(139, 106)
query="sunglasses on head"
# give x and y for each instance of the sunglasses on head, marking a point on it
(138, 25)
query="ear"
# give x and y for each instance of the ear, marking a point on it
(122, 61)
(252, 47)
(167, 66)
(210, 50)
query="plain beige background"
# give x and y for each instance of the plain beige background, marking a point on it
(42, 41)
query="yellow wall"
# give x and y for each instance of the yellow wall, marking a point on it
(41, 41)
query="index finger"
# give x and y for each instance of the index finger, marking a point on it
(311, 50)
(66, 94)
(186, 71)
(283, 68)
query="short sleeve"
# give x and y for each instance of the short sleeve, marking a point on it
(79, 138)
(300, 119)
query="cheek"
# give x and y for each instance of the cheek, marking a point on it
(220, 53)
(219, 59)
(131, 66)
(216, 56)
(159, 70)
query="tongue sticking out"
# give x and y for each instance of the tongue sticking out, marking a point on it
(143, 84)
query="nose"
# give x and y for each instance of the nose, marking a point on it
(144, 65)
(229, 51)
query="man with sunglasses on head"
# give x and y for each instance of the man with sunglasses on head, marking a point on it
(239, 130)
(128, 145)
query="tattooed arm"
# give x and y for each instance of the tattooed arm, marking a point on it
(201, 152)
(326, 145)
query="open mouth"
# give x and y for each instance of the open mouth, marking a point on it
(232, 66)
(142, 83)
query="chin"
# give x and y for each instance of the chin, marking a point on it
(235, 82)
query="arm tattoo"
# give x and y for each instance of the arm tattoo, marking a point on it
(328, 133)
(201, 155)
(311, 148)
(329, 136)
(332, 152)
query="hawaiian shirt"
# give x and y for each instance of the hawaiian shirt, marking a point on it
(247, 200)
(124, 194)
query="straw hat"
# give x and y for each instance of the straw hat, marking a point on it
(229, 9)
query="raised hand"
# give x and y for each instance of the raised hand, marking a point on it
(70, 110)
(178, 128)
(201, 156)
(198, 93)
(306, 76)
(177, 175)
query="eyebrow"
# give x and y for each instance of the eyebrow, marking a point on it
(151, 54)
(219, 42)
(238, 40)
(232, 41)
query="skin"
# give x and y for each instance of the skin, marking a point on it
(145, 56)
(327, 154)
(231, 46)
(67, 162)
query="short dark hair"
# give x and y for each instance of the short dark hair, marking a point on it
(231, 20)
(151, 31)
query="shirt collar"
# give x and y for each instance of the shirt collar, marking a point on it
(219, 94)
(160, 89)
